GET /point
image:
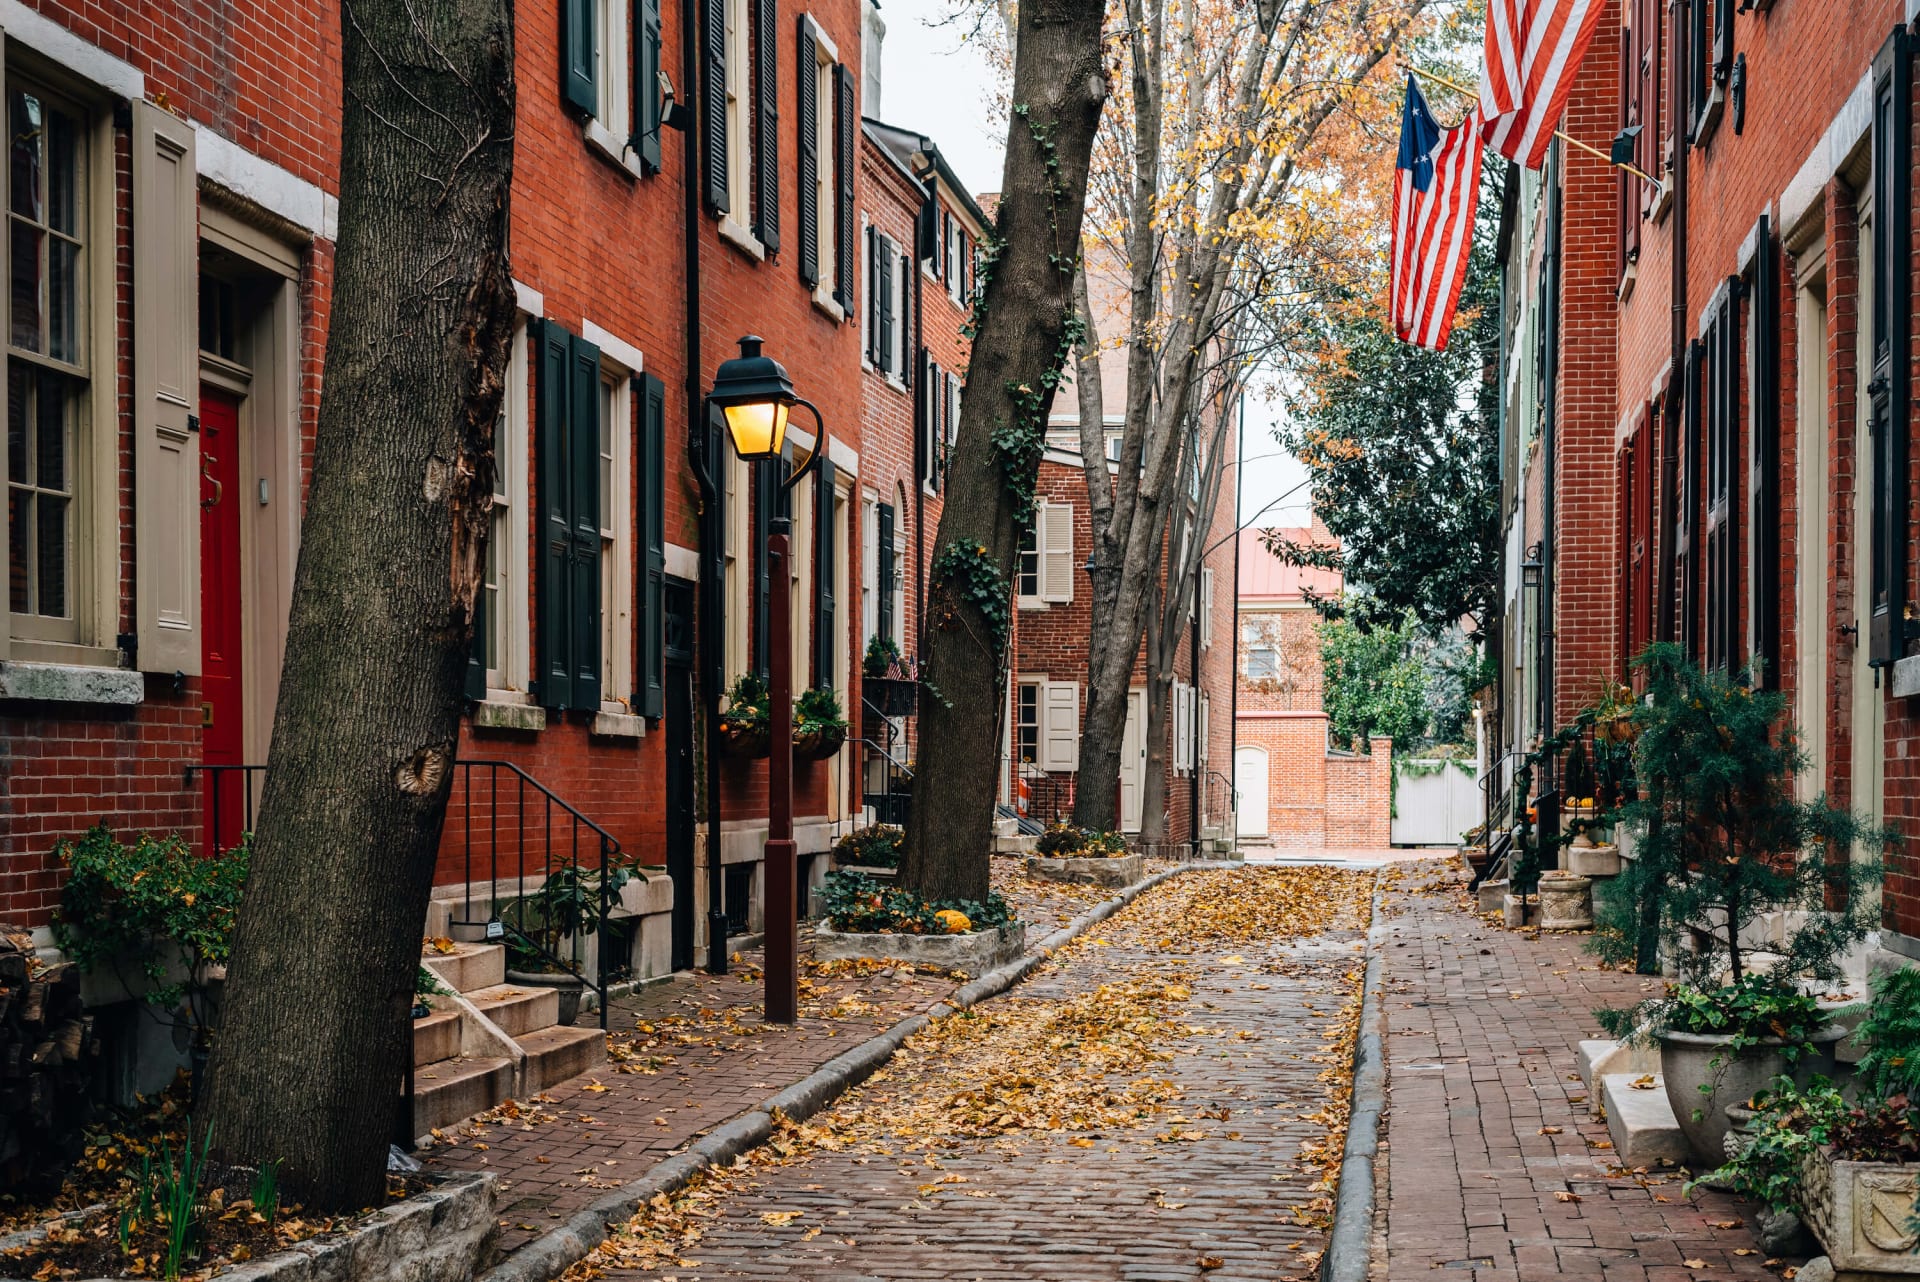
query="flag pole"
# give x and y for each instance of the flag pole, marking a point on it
(1562, 135)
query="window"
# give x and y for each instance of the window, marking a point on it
(889, 339)
(616, 539)
(1027, 577)
(1763, 458)
(1651, 149)
(500, 631)
(1711, 64)
(1719, 390)
(739, 149)
(894, 529)
(738, 516)
(1889, 234)
(1046, 557)
(1026, 722)
(48, 442)
(1263, 663)
(819, 165)
(959, 261)
(1206, 607)
(869, 569)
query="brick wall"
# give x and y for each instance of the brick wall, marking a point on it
(1316, 797)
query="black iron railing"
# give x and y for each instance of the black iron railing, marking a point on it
(509, 836)
(886, 778)
(1219, 804)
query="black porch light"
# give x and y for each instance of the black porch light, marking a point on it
(1531, 569)
(756, 395)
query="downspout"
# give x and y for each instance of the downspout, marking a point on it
(1193, 721)
(920, 394)
(1671, 628)
(1233, 687)
(713, 517)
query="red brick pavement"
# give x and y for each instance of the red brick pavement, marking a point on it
(1483, 1025)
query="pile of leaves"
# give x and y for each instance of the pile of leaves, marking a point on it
(874, 846)
(1253, 905)
(856, 903)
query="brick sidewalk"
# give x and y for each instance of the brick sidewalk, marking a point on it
(1483, 1024)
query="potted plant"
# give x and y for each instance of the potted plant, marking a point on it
(548, 930)
(891, 683)
(819, 730)
(1722, 842)
(745, 726)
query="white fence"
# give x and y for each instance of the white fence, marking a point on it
(1435, 801)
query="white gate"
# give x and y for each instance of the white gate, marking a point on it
(1435, 801)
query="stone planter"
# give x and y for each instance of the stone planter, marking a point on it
(442, 1235)
(976, 952)
(568, 986)
(1566, 901)
(1862, 1213)
(1123, 871)
(1690, 1061)
(874, 871)
(1594, 861)
(1513, 910)
(1493, 894)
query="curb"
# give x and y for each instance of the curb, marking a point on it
(550, 1255)
(1350, 1246)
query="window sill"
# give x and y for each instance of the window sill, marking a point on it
(71, 683)
(1030, 603)
(824, 301)
(618, 725)
(742, 239)
(897, 383)
(1906, 677)
(502, 710)
(1709, 118)
(610, 147)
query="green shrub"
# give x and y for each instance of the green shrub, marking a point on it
(1756, 1008)
(875, 846)
(749, 703)
(818, 709)
(1061, 840)
(1891, 1032)
(881, 655)
(856, 903)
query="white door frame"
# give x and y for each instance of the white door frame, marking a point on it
(1133, 760)
(1251, 785)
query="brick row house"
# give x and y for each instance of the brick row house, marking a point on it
(173, 220)
(1709, 388)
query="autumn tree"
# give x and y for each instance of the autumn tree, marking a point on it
(315, 1034)
(1214, 204)
(1025, 326)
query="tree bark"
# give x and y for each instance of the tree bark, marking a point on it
(1153, 778)
(1024, 331)
(308, 1064)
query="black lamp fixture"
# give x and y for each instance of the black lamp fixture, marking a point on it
(755, 394)
(1532, 568)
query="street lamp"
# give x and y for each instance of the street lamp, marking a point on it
(1532, 568)
(756, 397)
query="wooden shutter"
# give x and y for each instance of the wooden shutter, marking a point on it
(1642, 533)
(826, 541)
(905, 270)
(713, 102)
(873, 298)
(809, 172)
(883, 337)
(1060, 726)
(649, 686)
(1623, 502)
(766, 133)
(1625, 213)
(475, 686)
(1892, 321)
(1763, 473)
(1651, 146)
(553, 588)
(583, 483)
(844, 123)
(578, 64)
(765, 484)
(166, 389)
(1206, 606)
(883, 572)
(1056, 553)
(1687, 520)
(646, 82)
(922, 415)
(926, 232)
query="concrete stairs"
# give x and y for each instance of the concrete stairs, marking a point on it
(489, 1040)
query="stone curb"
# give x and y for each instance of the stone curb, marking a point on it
(550, 1255)
(1350, 1246)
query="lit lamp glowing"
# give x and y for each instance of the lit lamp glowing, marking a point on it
(756, 395)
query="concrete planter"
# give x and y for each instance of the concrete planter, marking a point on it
(1594, 861)
(1123, 871)
(570, 987)
(1566, 901)
(1862, 1213)
(1690, 1062)
(975, 952)
(1493, 894)
(442, 1235)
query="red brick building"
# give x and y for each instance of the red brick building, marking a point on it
(1719, 455)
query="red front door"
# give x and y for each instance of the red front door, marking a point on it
(223, 743)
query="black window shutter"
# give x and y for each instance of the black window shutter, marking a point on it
(646, 83)
(809, 176)
(825, 540)
(883, 577)
(766, 103)
(932, 445)
(946, 245)
(922, 457)
(713, 101)
(906, 317)
(883, 289)
(649, 687)
(476, 686)
(765, 485)
(844, 124)
(552, 589)
(1763, 523)
(926, 233)
(583, 394)
(873, 297)
(1889, 392)
(577, 62)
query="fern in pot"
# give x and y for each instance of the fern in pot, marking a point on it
(1753, 894)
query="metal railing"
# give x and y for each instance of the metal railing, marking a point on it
(1049, 796)
(1219, 804)
(503, 829)
(884, 747)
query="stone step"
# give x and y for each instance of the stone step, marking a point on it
(453, 1089)
(1599, 1057)
(469, 967)
(1640, 1121)
(558, 1053)
(436, 1037)
(517, 1009)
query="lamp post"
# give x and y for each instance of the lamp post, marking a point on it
(757, 398)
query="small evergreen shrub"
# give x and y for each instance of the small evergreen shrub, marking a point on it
(858, 904)
(875, 846)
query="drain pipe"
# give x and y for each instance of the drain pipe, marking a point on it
(1233, 687)
(1672, 627)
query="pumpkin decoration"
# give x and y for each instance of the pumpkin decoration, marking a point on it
(953, 921)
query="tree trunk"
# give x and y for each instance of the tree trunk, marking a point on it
(1024, 331)
(307, 1066)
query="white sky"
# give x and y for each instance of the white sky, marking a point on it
(936, 80)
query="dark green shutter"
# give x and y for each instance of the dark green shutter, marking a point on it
(922, 458)
(649, 687)
(646, 82)
(883, 336)
(577, 61)
(476, 687)
(583, 392)
(873, 298)
(825, 540)
(809, 176)
(883, 578)
(1889, 392)
(713, 101)
(765, 487)
(926, 233)
(906, 317)
(843, 126)
(766, 103)
(552, 588)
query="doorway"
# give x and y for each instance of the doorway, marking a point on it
(678, 718)
(1810, 563)
(1133, 761)
(1868, 723)
(1250, 782)
(222, 606)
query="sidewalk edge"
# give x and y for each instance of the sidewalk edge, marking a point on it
(1350, 1247)
(550, 1255)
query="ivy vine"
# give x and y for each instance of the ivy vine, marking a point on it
(966, 574)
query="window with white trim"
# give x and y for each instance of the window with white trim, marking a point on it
(869, 568)
(611, 79)
(503, 637)
(1044, 575)
(737, 578)
(616, 538)
(740, 149)
(1026, 722)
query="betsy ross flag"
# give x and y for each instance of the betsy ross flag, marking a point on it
(1436, 191)
(1534, 49)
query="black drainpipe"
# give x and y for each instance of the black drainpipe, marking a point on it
(917, 362)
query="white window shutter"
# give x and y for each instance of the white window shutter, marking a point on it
(166, 391)
(1060, 726)
(1206, 607)
(1205, 710)
(1056, 552)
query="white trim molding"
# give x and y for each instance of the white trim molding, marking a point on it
(90, 62)
(225, 163)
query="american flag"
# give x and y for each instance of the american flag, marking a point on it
(1436, 191)
(1534, 48)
